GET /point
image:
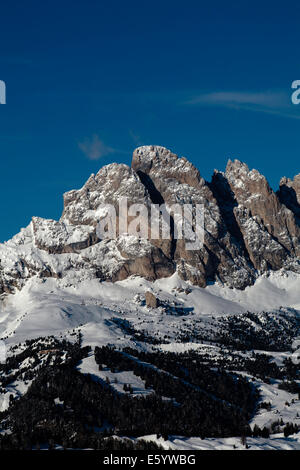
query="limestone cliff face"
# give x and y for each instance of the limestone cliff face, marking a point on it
(252, 191)
(174, 180)
(289, 194)
(249, 229)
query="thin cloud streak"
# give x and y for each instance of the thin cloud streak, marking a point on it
(274, 112)
(269, 102)
(267, 98)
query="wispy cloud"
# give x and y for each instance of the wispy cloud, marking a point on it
(267, 98)
(94, 148)
(270, 102)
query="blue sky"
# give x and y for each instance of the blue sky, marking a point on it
(88, 81)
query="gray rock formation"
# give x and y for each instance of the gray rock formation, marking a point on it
(249, 229)
(151, 300)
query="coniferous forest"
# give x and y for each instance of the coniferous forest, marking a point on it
(189, 396)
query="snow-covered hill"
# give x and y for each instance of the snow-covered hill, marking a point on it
(50, 306)
(189, 318)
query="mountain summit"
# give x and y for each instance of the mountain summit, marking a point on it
(249, 229)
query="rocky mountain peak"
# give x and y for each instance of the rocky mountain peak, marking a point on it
(249, 229)
(236, 165)
(292, 184)
(245, 182)
(251, 190)
(106, 187)
(157, 162)
(289, 193)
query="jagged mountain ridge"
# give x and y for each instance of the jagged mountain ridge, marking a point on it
(249, 229)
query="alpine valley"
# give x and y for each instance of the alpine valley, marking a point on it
(133, 343)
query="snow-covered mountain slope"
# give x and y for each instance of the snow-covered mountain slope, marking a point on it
(188, 318)
(276, 442)
(50, 306)
(132, 315)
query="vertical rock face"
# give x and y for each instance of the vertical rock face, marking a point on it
(289, 194)
(252, 191)
(263, 249)
(248, 229)
(172, 180)
(111, 184)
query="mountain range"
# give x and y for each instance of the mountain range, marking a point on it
(137, 343)
(249, 229)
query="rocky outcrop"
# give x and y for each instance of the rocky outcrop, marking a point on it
(172, 180)
(151, 300)
(108, 186)
(289, 194)
(248, 229)
(252, 191)
(59, 237)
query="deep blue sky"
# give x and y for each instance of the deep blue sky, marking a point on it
(88, 81)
